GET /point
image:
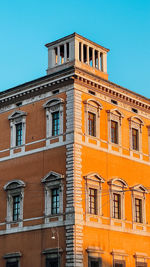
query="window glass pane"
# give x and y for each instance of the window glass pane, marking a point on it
(116, 206)
(55, 201)
(135, 139)
(91, 124)
(114, 132)
(52, 262)
(138, 210)
(16, 207)
(92, 201)
(19, 134)
(12, 264)
(55, 123)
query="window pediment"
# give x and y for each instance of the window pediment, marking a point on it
(53, 102)
(14, 184)
(52, 176)
(139, 188)
(94, 177)
(93, 103)
(16, 114)
(116, 112)
(118, 182)
(137, 120)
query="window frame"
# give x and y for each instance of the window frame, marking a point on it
(14, 188)
(52, 106)
(136, 123)
(92, 106)
(122, 262)
(53, 181)
(93, 181)
(12, 258)
(17, 117)
(115, 115)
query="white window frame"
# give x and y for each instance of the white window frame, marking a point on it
(15, 118)
(136, 123)
(117, 186)
(94, 181)
(51, 106)
(117, 116)
(139, 191)
(51, 181)
(92, 106)
(14, 188)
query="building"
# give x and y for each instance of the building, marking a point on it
(74, 166)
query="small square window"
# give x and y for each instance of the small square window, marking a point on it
(55, 201)
(95, 262)
(91, 124)
(135, 139)
(12, 264)
(116, 206)
(114, 132)
(92, 201)
(119, 263)
(55, 123)
(19, 134)
(52, 262)
(138, 210)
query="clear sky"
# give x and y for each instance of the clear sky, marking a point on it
(122, 26)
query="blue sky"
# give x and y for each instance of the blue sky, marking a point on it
(121, 26)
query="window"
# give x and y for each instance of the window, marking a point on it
(53, 186)
(114, 126)
(15, 195)
(12, 259)
(116, 206)
(119, 263)
(93, 201)
(12, 264)
(16, 207)
(135, 124)
(114, 132)
(135, 139)
(18, 128)
(91, 124)
(138, 203)
(138, 210)
(92, 117)
(93, 193)
(54, 117)
(52, 262)
(53, 257)
(117, 198)
(141, 264)
(95, 262)
(55, 201)
(19, 134)
(55, 123)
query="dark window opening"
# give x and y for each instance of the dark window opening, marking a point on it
(12, 264)
(61, 54)
(55, 123)
(16, 207)
(80, 51)
(67, 50)
(95, 262)
(56, 55)
(101, 61)
(53, 262)
(141, 264)
(19, 134)
(114, 132)
(96, 59)
(134, 110)
(138, 210)
(19, 104)
(91, 92)
(55, 201)
(55, 92)
(114, 102)
(91, 124)
(135, 139)
(90, 57)
(92, 201)
(119, 263)
(116, 206)
(84, 53)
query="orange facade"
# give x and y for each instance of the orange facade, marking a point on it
(74, 165)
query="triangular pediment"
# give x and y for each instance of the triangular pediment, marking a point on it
(140, 188)
(17, 114)
(52, 176)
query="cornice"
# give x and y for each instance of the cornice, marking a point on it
(112, 90)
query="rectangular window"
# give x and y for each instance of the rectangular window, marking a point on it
(53, 262)
(16, 207)
(119, 263)
(55, 201)
(19, 134)
(141, 264)
(12, 264)
(138, 210)
(135, 139)
(114, 132)
(91, 124)
(55, 123)
(116, 206)
(95, 262)
(92, 201)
